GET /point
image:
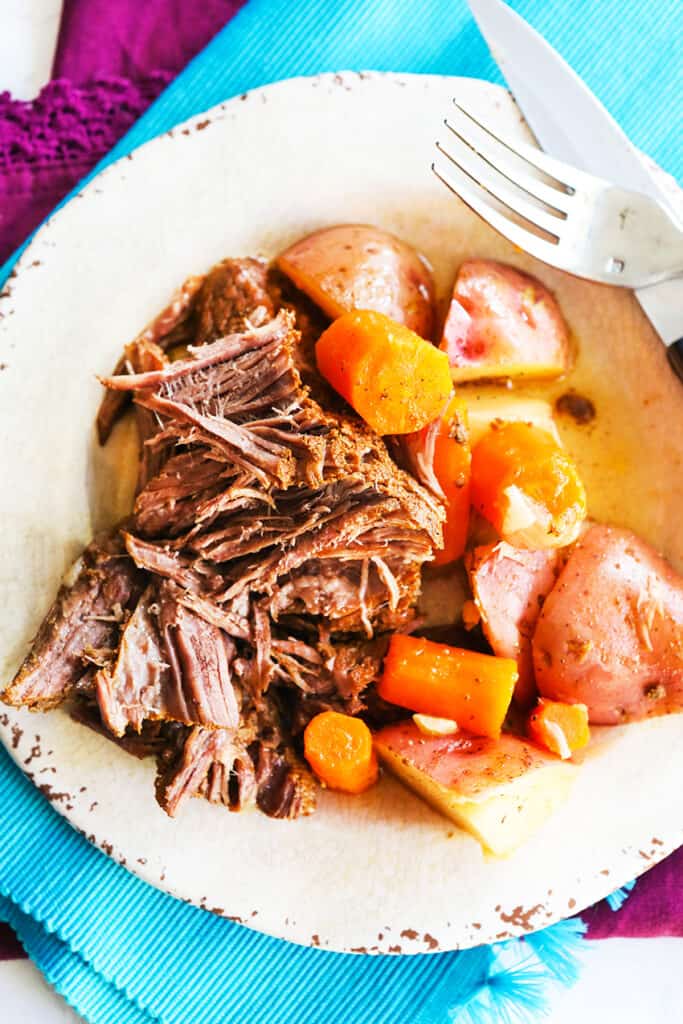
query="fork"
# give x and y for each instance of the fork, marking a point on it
(557, 213)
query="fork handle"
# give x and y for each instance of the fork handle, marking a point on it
(663, 305)
(675, 353)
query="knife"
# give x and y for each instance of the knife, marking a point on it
(586, 136)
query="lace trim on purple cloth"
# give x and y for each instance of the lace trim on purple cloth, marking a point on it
(72, 126)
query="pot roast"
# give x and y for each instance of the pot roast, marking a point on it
(272, 546)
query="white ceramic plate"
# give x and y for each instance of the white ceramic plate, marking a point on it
(382, 872)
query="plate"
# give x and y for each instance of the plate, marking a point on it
(382, 872)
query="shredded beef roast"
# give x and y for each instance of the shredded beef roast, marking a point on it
(82, 628)
(217, 765)
(283, 789)
(310, 323)
(205, 760)
(170, 665)
(346, 552)
(273, 545)
(233, 297)
(160, 739)
(168, 328)
(346, 544)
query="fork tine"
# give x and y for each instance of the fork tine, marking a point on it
(495, 184)
(492, 151)
(474, 197)
(569, 177)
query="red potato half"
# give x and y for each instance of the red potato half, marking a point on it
(499, 790)
(509, 586)
(357, 266)
(503, 323)
(610, 634)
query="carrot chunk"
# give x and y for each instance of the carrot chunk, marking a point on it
(560, 728)
(391, 376)
(527, 486)
(472, 689)
(340, 752)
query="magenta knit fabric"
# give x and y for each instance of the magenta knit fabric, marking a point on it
(113, 58)
(47, 145)
(132, 38)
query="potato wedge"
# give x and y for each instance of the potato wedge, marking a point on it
(503, 323)
(356, 266)
(501, 791)
(610, 633)
(509, 586)
(496, 404)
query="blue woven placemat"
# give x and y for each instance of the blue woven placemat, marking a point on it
(120, 951)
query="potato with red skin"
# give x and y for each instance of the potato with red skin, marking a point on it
(500, 790)
(610, 634)
(503, 323)
(357, 266)
(509, 586)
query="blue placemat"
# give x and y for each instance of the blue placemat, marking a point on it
(120, 951)
(629, 52)
(123, 953)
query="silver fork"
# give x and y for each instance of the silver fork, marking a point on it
(557, 213)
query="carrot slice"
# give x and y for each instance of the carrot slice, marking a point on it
(561, 728)
(340, 752)
(472, 689)
(527, 486)
(393, 378)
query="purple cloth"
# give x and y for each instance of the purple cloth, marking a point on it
(47, 146)
(113, 58)
(655, 907)
(120, 38)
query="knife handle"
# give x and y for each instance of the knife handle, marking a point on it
(675, 352)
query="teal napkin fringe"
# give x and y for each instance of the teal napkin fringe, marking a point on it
(121, 952)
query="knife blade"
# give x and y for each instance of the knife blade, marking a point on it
(586, 136)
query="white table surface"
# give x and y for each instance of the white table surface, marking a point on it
(626, 980)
